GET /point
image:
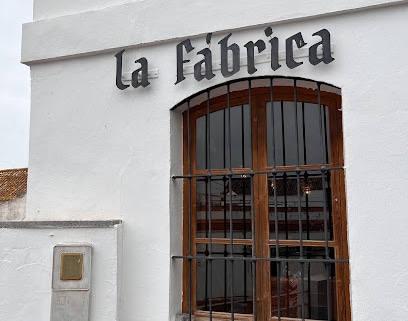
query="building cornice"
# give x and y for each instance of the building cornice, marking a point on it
(143, 23)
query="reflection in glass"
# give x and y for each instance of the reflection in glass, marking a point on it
(218, 145)
(315, 206)
(318, 278)
(227, 286)
(229, 206)
(281, 132)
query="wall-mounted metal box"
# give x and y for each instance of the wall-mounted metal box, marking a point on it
(71, 283)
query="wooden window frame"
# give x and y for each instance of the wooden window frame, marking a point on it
(259, 97)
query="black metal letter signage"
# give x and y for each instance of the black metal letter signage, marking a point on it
(274, 49)
(290, 62)
(234, 48)
(142, 71)
(250, 45)
(325, 43)
(119, 82)
(180, 61)
(230, 57)
(207, 61)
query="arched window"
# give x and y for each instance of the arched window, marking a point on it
(264, 229)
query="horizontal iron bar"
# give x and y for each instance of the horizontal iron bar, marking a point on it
(257, 259)
(250, 173)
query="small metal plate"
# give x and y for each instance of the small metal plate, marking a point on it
(71, 266)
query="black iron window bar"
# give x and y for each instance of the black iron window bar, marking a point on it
(231, 256)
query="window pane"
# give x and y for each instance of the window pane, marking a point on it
(295, 136)
(228, 206)
(315, 206)
(230, 282)
(287, 279)
(219, 139)
(201, 138)
(313, 138)
(240, 137)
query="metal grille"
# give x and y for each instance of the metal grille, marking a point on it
(242, 170)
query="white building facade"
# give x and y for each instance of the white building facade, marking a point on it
(115, 161)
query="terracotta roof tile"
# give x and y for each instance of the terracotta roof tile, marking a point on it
(13, 183)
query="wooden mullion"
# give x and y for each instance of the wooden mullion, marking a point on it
(262, 206)
(185, 216)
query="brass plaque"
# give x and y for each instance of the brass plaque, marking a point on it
(71, 266)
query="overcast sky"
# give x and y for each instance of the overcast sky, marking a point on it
(14, 85)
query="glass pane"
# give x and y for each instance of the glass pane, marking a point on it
(313, 138)
(313, 191)
(201, 138)
(311, 282)
(229, 206)
(218, 146)
(240, 137)
(295, 135)
(230, 282)
(217, 139)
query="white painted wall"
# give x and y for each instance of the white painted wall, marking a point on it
(99, 153)
(26, 257)
(13, 210)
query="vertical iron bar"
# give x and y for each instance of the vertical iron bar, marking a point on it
(324, 173)
(328, 290)
(327, 151)
(323, 170)
(285, 197)
(320, 124)
(285, 201)
(299, 200)
(254, 294)
(244, 204)
(309, 283)
(242, 137)
(230, 202)
(275, 201)
(284, 174)
(305, 179)
(273, 124)
(245, 247)
(304, 134)
(224, 180)
(189, 280)
(254, 253)
(325, 134)
(244, 199)
(210, 259)
(225, 138)
(206, 246)
(283, 136)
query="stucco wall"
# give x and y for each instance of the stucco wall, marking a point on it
(26, 259)
(111, 153)
(13, 210)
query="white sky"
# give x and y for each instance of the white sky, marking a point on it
(14, 85)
